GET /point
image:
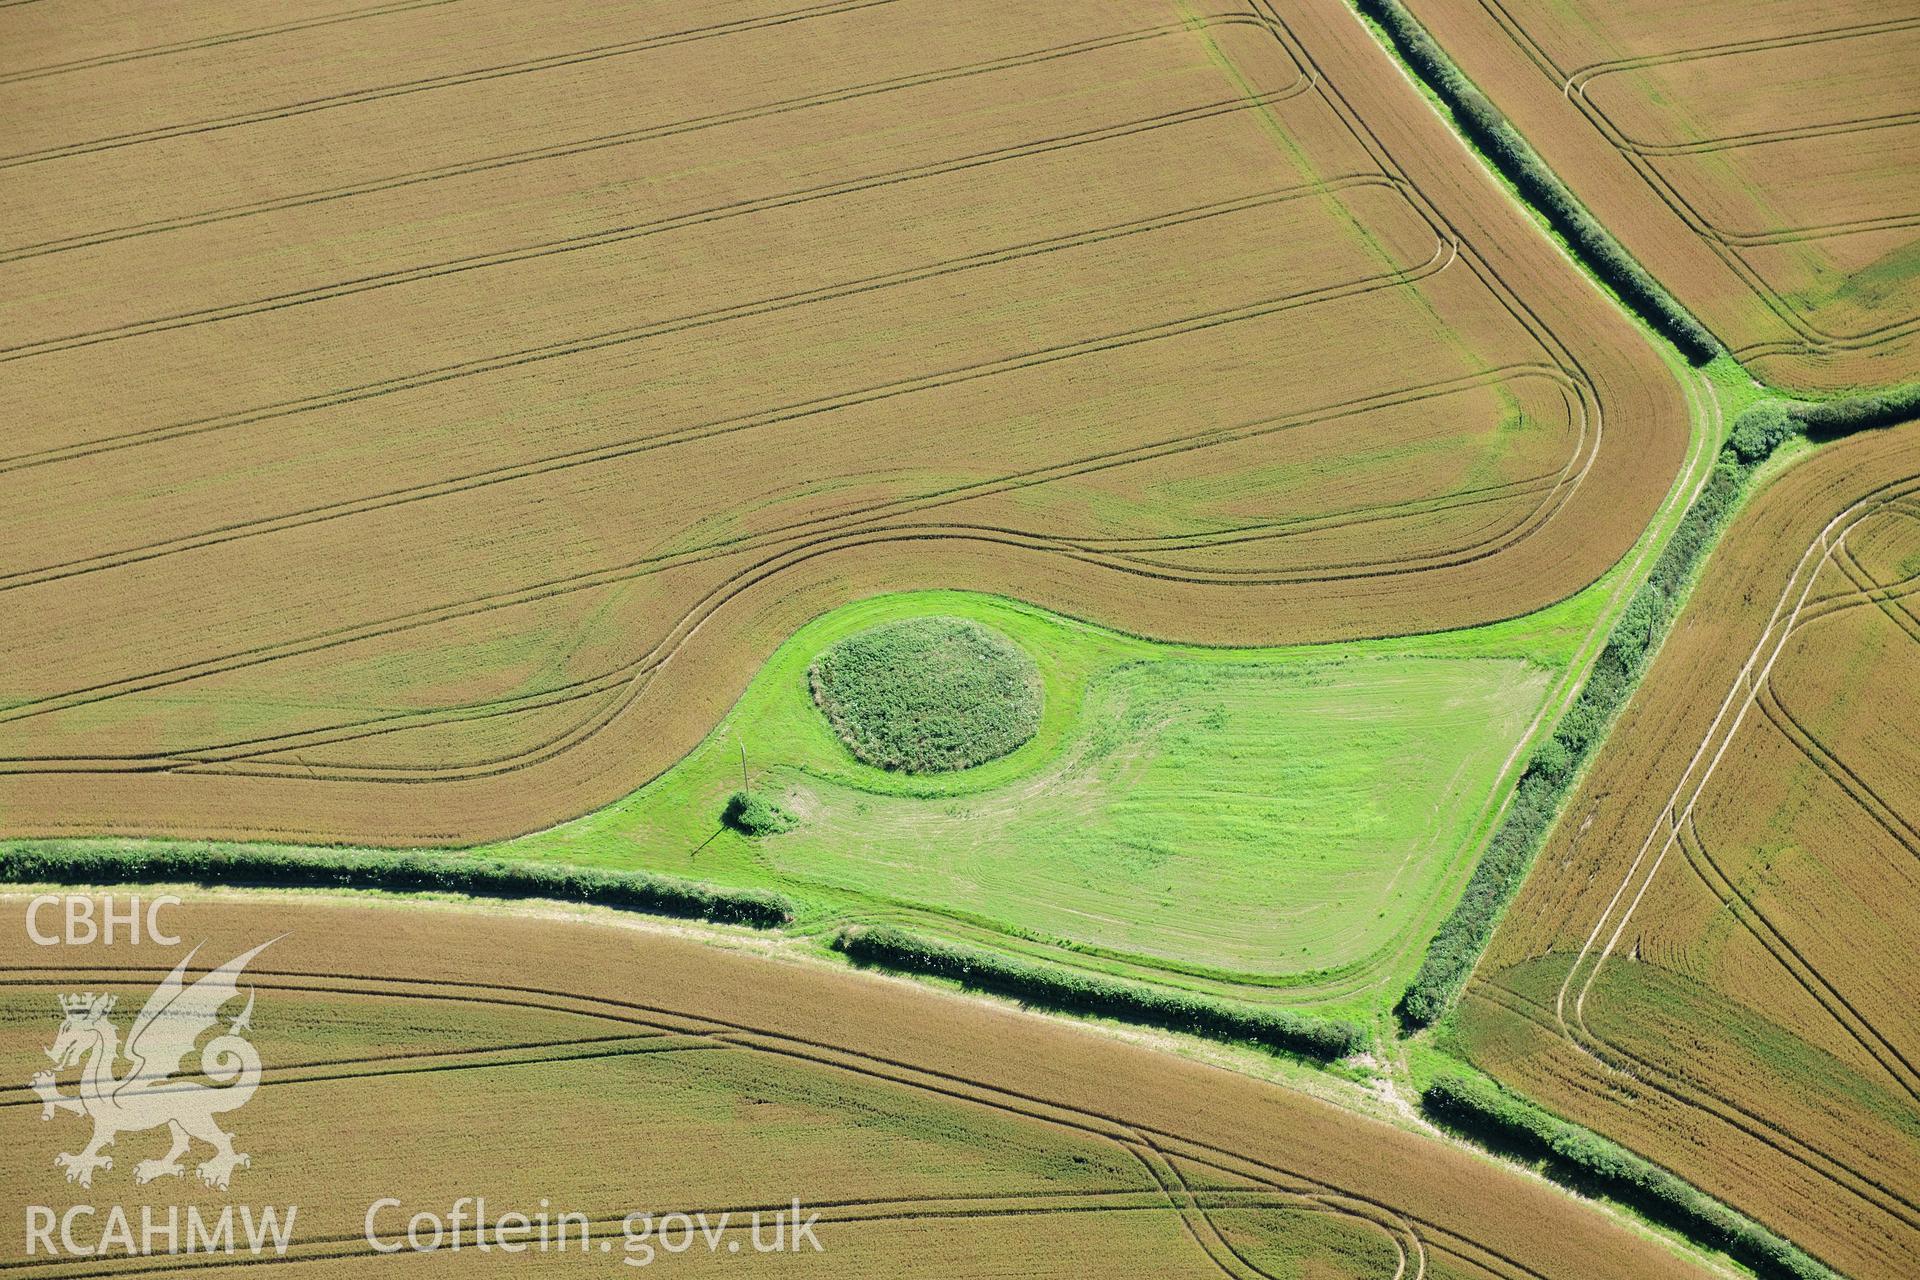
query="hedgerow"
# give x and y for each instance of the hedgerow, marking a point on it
(1760, 430)
(1076, 992)
(1491, 1114)
(1550, 774)
(105, 863)
(1494, 134)
(1861, 413)
(1464, 934)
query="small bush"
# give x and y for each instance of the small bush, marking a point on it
(928, 695)
(1761, 430)
(1072, 991)
(1552, 761)
(752, 814)
(1580, 1157)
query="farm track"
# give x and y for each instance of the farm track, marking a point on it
(1184, 1169)
(1809, 347)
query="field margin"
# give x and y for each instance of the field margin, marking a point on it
(1066, 990)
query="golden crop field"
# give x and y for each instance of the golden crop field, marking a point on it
(423, 418)
(1762, 159)
(1190, 638)
(418, 1054)
(1713, 960)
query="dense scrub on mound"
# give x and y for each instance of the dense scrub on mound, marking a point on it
(928, 695)
(1616, 673)
(1509, 1123)
(104, 863)
(1075, 992)
(1495, 135)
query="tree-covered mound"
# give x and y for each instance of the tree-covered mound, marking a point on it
(928, 695)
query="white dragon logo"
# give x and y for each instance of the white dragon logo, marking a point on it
(148, 1096)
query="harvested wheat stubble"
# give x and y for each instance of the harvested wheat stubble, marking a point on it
(1762, 160)
(1749, 965)
(426, 1053)
(423, 439)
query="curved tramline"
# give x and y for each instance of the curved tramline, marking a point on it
(1059, 333)
(1780, 803)
(1056, 640)
(1745, 694)
(1035, 1146)
(1758, 161)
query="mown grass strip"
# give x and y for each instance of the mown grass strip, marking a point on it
(1069, 991)
(1636, 637)
(1508, 1123)
(43, 862)
(1490, 130)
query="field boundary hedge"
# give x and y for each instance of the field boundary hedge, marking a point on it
(214, 866)
(1068, 990)
(1858, 413)
(1506, 1122)
(1635, 638)
(1490, 130)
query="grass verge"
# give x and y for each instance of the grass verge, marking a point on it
(1494, 135)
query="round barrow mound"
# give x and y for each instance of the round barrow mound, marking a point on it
(928, 695)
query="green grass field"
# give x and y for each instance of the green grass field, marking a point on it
(1285, 819)
(1284, 825)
